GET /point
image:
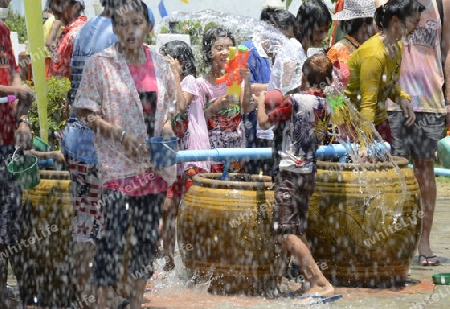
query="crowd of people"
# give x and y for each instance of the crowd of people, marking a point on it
(124, 92)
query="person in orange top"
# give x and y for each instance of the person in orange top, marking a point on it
(356, 21)
(69, 12)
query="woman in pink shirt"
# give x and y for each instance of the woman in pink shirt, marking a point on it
(126, 95)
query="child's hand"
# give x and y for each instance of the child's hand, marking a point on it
(259, 98)
(174, 64)
(134, 147)
(22, 137)
(58, 156)
(224, 102)
(244, 73)
(167, 132)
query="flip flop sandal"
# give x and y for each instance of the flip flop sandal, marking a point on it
(426, 261)
(312, 299)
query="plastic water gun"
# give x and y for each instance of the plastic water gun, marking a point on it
(236, 60)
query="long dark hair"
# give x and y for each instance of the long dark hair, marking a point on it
(352, 26)
(183, 53)
(210, 37)
(312, 13)
(399, 8)
(124, 6)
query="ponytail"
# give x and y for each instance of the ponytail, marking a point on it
(399, 8)
(379, 17)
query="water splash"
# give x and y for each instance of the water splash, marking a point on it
(352, 130)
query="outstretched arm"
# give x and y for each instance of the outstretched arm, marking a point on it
(263, 118)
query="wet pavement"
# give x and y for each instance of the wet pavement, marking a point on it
(173, 290)
(420, 292)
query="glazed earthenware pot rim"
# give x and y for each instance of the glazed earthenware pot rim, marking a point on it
(212, 180)
(400, 161)
(49, 174)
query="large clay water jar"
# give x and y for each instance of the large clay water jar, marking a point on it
(225, 232)
(42, 266)
(364, 222)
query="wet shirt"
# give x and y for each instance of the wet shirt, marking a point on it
(108, 88)
(144, 79)
(302, 134)
(258, 64)
(286, 73)
(374, 78)
(8, 67)
(62, 57)
(424, 82)
(224, 127)
(196, 136)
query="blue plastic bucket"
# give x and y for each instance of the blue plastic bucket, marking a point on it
(443, 150)
(163, 152)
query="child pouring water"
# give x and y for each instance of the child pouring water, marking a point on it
(301, 124)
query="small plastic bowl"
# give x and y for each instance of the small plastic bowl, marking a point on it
(441, 278)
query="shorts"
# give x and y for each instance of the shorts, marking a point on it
(137, 215)
(419, 140)
(384, 129)
(85, 191)
(10, 200)
(292, 192)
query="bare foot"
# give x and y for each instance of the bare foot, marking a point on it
(170, 264)
(322, 291)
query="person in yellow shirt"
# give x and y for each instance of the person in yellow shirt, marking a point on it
(375, 65)
(52, 29)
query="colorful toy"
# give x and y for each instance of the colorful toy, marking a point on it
(236, 60)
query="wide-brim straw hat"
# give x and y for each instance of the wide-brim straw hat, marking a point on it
(356, 9)
(276, 4)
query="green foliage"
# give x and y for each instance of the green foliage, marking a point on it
(443, 179)
(336, 100)
(16, 23)
(57, 89)
(151, 39)
(191, 27)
